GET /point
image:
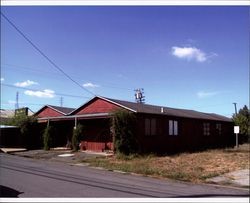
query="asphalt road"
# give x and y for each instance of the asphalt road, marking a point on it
(25, 177)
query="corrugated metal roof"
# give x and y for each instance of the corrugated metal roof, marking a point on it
(152, 109)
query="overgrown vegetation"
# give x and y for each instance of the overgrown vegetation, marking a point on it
(194, 167)
(48, 137)
(77, 136)
(242, 119)
(123, 125)
(28, 129)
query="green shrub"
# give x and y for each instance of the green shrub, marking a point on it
(77, 135)
(28, 128)
(47, 138)
(123, 126)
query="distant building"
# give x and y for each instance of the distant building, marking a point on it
(7, 114)
(158, 129)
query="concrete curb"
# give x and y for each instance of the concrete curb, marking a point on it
(12, 150)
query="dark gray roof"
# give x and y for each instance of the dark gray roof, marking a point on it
(64, 110)
(152, 109)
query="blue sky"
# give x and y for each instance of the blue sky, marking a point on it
(192, 57)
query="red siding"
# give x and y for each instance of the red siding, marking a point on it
(96, 146)
(98, 106)
(48, 112)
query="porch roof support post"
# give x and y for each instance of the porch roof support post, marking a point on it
(48, 123)
(75, 122)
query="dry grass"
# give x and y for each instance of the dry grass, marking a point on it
(194, 167)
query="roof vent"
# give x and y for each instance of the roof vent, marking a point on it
(162, 110)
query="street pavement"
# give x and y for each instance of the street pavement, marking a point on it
(25, 177)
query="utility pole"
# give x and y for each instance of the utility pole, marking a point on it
(235, 107)
(236, 128)
(61, 101)
(17, 102)
(139, 97)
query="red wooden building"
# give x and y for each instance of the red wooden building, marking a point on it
(158, 129)
(52, 111)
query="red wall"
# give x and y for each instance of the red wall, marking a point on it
(98, 106)
(48, 112)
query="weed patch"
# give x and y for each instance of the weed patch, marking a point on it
(193, 167)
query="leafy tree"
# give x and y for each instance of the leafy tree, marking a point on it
(28, 128)
(47, 138)
(242, 119)
(77, 135)
(123, 126)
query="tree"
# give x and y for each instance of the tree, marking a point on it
(48, 137)
(77, 135)
(242, 119)
(123, 126)
(28, 128)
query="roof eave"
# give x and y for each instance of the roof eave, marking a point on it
(125, 107)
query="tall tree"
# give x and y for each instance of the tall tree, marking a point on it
(123, 125)
(242, 119)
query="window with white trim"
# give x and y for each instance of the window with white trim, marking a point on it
(172, 127)
(150, 126)
(206, 129)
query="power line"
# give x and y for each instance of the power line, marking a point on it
(44, 55)
(59, 94)
(48, 73)
(22, 103)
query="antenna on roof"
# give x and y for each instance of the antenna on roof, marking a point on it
(139, 97)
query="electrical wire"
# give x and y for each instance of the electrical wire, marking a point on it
(44, 55)
(48, 73)
(59, 94)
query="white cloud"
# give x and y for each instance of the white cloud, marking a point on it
(189, 53)
(2, 79)
(89, 84)
(25, 83)
(43, 94)
(203, 94)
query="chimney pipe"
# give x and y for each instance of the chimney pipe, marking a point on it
(162, 110)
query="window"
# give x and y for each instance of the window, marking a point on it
(206, 129)
(153, 126)
(150, 126)
(147, 126)
(218, 128)
(172, 127)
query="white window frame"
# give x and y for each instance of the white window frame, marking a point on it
(173, 127)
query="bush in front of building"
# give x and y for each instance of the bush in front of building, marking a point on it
(28, 128)
(47, 138)
(242, 119)
(123, 126)
(76, 137)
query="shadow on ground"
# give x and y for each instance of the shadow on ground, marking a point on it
(8, 192)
